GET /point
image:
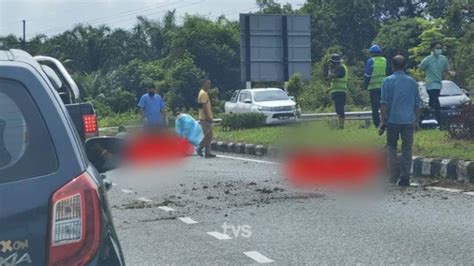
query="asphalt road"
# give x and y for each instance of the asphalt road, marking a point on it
(243, 212)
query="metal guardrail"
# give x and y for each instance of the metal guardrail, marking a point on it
(362, 115)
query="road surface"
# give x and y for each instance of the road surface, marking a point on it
(241, 211)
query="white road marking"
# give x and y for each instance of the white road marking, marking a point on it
(144, 199)
(115, 184)
(470, 193)
(219, 236)
(256, 256)
(247, 160)
(188, 220)
(165, 208)
(445, 189)
(128, 191)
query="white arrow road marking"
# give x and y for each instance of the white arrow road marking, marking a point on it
(144, 199)
(128, 191)
(219, 236)
(246, 159)
(445, 189)
(187, 220)
(470, 193)
(256, 256)
(165, 208)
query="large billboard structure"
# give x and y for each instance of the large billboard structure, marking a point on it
(274, 47)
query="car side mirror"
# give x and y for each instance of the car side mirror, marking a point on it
(105, 153)
(292, 98)
(247, 101)
(468, 93)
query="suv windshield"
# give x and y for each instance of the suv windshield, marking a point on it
(267, 96)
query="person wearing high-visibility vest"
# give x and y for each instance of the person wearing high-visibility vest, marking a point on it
(375, 72)
(338, 74)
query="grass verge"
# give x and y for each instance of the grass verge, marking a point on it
(427, 143)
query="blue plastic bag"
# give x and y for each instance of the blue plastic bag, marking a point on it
(187, 127)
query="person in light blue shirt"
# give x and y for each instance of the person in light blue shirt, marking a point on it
(152, 108)
(400, 112)
(434, 66)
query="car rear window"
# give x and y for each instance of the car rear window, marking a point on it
(25, 144)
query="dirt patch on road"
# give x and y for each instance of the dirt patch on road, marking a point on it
(446, 183)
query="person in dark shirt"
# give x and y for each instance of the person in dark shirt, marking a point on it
(338, 75)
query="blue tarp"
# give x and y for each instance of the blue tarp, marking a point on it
(187, 127)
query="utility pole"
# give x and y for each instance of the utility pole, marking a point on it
(23, 41)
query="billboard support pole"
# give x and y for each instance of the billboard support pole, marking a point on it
(284, 38)
(248, 85)
(248, 59)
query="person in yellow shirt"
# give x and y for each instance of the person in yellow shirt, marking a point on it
(205, 118)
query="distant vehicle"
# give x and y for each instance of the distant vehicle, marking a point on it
(82, 114)
(451, 99)
(275, 103)
(53, 204)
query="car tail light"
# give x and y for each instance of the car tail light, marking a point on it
(90, 124)
(75, 222)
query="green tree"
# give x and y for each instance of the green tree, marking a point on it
(463, 57)
(271, 7)
(214, 46)
(349, 24)
(295, 85)
(433, 30)
(397, 37)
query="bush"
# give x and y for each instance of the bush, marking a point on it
(463, 127)
(242, 121)
(123, 119)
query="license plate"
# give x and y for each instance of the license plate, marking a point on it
(453, 113)
(284, 117)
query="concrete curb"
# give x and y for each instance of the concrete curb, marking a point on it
(460, 170)
(245, 149)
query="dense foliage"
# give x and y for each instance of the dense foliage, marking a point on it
(112, 66)
(242, 121)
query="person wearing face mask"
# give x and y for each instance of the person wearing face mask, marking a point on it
(434, 66)
(152, 108)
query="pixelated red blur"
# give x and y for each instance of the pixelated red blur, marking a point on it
(152, 148)
(333, 168)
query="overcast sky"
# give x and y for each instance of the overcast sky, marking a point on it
(54, 16)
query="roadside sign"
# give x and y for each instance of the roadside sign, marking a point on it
(274, 47)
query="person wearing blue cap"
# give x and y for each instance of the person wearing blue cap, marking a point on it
(375, 71)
